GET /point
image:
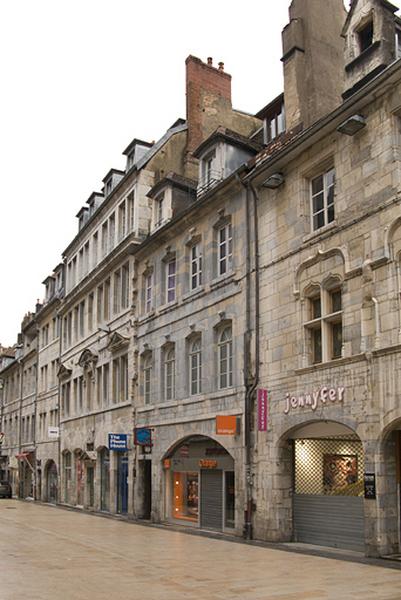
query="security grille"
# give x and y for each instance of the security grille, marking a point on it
(329, 467)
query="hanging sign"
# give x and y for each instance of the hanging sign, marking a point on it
(262, 410)
(118, 441)
(142, 436)
(369, 480)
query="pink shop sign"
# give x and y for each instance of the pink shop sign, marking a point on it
(262, 410)
(320, 397)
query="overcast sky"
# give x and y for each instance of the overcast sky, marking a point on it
(79, 80)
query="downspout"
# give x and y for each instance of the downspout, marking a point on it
(20, 469)
(59, 470)
(250, 381)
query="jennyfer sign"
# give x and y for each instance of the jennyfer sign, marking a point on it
(118, 441)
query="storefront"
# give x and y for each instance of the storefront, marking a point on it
(105, 480)
(122, 482)
(51, 482)
(328, 492)
(200, 484)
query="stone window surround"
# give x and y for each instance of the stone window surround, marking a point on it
(324, 322)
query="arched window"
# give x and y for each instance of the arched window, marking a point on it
(147, 378)
(225, 358)
(195, 366)
(169, 373)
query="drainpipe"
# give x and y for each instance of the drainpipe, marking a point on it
(250, 381)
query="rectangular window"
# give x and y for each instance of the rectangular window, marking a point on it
(106, 300)
(105, 238)
(125, 286)
(131, 199)
(112, 232)
(159, 211)
(122, 221)
(117, 293)
(171, 280)
(94, 249)
(82, 319)
(196, 266)
(322, 199)
(116, 381)
(90, 312)
(225, 251)
(99, 304)
(105, 385)
(148, 292)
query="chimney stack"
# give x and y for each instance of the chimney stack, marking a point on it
(313, 59)
(208, 92)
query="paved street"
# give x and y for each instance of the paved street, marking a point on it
(48, 553)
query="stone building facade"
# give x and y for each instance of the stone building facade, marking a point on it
(229, 319)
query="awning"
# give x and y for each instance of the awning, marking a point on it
(23, 456)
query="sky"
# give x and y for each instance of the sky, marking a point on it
(81, 79)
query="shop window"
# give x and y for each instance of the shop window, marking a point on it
(229, 509)
(324, 325)
(322, 199)
(186, 496)
(225, 358)
(329, 467)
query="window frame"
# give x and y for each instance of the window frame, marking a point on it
(225, 346)
(195, 365)
(225, 244)
(169, 373)
(320, 328)
(326, 191)
(195, 266)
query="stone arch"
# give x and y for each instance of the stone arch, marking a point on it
(388, 469)
(389, 237)
(175, 445)
(320, 255)
(299, 481)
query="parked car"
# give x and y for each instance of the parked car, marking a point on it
(5, 490)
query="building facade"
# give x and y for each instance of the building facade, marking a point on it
(227, 327)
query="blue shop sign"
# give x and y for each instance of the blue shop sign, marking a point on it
(143, 436)
(118, 441)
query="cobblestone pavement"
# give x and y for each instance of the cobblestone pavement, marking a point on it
(48, 553)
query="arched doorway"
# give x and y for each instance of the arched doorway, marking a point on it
(389, 486)
(51, 482)
(79, 477)
(200, 484)
(327, 489)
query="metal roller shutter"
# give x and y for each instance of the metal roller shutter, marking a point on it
(211, 500)
(335, 521)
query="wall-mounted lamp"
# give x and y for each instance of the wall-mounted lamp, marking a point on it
(352, 125)
(274, 181)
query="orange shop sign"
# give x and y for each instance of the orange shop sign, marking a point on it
(226, 425)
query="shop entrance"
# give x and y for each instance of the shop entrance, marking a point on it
(51, 483)
(105, 480)
(122, 482)
(328, 487)
(146, 471)
(200, 484)
(90, 482)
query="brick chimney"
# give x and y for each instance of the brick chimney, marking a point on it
(208, 91)
(313, 59)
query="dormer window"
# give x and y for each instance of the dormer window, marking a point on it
(159, 211)
(208, 168)
(274, 124)
(365, 36)
(398, 44)
(109, 187)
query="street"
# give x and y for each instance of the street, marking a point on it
(48, 553)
